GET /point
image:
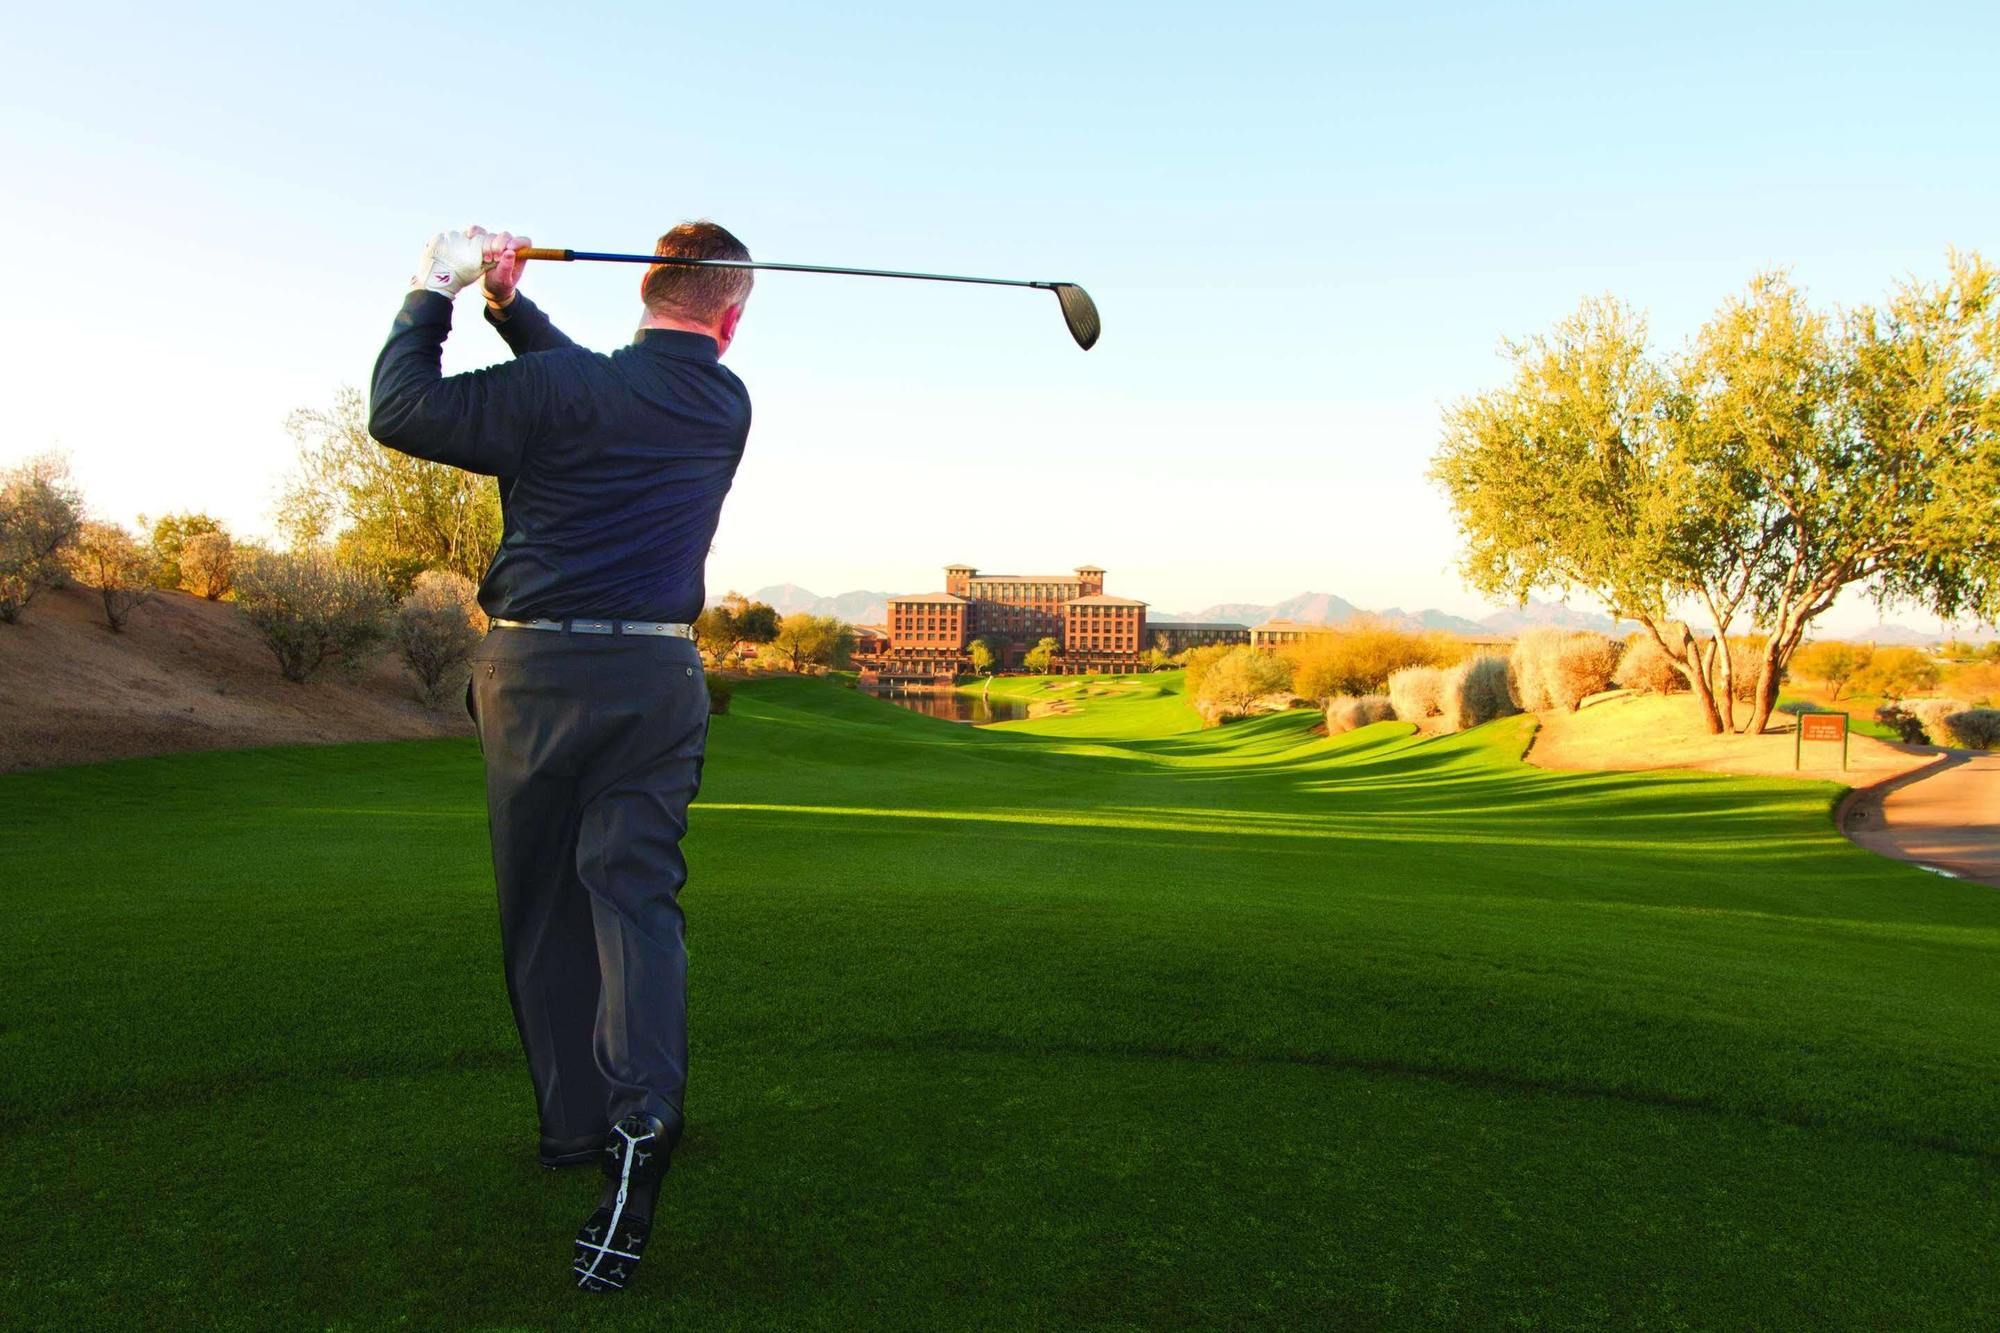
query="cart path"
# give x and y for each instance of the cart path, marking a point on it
(1945, 815)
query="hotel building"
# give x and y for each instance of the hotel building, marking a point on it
(930, 632)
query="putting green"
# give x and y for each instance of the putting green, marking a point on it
(1096, 1020)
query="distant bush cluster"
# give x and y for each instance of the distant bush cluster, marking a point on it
(1359, 657)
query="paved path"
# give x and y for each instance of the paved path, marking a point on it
(1945, 815)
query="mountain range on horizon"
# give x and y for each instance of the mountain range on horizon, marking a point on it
(867, 607)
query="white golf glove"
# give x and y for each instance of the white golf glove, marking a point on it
(452, 261)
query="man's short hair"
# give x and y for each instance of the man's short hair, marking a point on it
(699, 294)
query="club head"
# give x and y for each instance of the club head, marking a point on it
(1079, 312)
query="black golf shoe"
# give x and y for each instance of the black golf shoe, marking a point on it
(613, 1239)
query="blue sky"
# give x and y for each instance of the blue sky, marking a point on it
(1308, 227)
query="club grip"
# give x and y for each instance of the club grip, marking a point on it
(541, 252)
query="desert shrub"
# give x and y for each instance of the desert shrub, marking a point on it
(1477, 690)
(1346, 712)
(436, 628)
(1528, 666)
(1241, 677)
(311, 610)
(207, 564)
(110, 559)
(1832, 663)
(1585, 667)
(1582, 665)
(1974, 728)
(1359, 657)
(719, 690)
(1909, 729)
(1976, 684)
(1559, 668)
(1897, 672)
(1417, 693)
(1644, 665)
(41, 513)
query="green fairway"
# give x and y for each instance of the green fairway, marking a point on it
(1091, 1021)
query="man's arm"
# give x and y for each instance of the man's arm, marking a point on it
(482, 421)
(519, 320)
(524, 326)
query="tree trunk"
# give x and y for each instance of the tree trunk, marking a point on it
(1777, 651)
(1685, 654)
(1723, 672)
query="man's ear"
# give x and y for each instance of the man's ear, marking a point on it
(725, 328)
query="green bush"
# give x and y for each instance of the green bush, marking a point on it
(719, 690)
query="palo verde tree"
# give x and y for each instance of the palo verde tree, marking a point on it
(1783, 458)
(754, 622)
(1570, 478)
(806, 640)
(982, 655)
(381, 510)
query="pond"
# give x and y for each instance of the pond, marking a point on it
(955, 707)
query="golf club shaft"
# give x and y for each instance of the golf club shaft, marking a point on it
(568, 256)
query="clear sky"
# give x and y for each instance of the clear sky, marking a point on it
(1307, 227)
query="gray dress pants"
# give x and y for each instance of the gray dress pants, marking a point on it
(593, 747)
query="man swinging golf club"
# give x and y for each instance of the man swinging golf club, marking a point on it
(588, 692)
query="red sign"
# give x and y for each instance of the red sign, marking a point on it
(1822, 726)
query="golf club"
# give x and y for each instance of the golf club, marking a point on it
(1078, 310)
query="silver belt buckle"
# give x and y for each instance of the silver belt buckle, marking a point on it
(593, 627)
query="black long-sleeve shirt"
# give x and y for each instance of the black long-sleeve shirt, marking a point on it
(612, 468)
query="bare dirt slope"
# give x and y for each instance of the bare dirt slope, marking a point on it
(1666, 731)
(185, 675)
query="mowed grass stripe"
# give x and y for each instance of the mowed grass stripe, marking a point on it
(1094, 893)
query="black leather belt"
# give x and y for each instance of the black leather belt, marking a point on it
(655, 628)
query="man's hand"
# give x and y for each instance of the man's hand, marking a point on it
(504, 265)
(451, 261)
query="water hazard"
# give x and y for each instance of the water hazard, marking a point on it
(954, 707)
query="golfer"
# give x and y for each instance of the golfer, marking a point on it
(588, 691)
